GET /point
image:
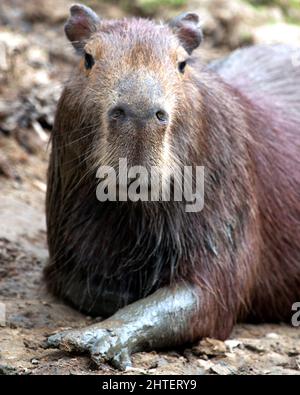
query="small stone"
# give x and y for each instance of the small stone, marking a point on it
(36, 57)
(223, 369)
(206, 365)
(211, 347)
(267, 372)
(35, 361)
(272, 335)
(135, 370)
(232, 344)
(253, 345)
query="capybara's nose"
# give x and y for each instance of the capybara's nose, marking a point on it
(124, 112)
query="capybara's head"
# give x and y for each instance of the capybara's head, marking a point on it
(130, 84)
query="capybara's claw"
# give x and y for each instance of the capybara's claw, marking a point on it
(112, 351)
(103, 345)
(122, 360)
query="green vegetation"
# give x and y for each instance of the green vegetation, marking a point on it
(150, 7)
(147, 7)
(290, 8)
(153, 4)
(284, 4)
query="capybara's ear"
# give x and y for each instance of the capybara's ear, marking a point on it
(81, 24)
(187, 28)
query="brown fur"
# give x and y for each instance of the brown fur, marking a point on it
(242, 251)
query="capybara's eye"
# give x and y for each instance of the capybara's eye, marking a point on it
(181, 66)
(88, 61)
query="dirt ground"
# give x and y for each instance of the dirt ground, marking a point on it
(33, 64)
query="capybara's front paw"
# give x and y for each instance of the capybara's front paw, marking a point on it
(103, 345)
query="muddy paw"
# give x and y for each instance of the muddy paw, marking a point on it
(73, 340)
(103, 345)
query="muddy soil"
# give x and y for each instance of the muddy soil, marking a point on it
(34, 62)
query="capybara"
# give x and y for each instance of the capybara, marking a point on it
(161, 275)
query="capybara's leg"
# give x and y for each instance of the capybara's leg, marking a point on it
(161, 319)
(169, 317)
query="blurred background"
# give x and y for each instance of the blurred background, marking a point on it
(35, 60)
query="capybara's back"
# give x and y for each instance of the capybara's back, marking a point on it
(269, 81)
